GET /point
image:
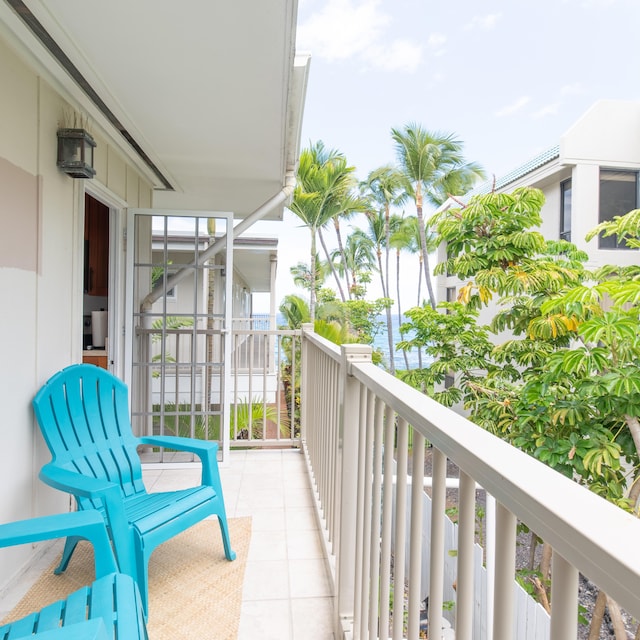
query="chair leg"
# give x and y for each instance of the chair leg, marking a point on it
(142, 578)
(229, 553)
(69, 547)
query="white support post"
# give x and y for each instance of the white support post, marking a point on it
(349, 400)
(436, 569)
(490, 558)
(505, 573)
(305, 364)
(564, 599)
(466, 533)
(415, 548)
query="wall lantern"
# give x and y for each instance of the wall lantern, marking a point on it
(75, 153)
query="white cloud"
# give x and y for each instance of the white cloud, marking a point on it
(548, 110)
(483, 22)
(400, 55)
(572, 89)
(347, 29)
(513, 107)
(436, 40)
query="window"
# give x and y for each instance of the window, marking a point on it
(450, 295)
(449, 380)
(618, 196)
(565, 210)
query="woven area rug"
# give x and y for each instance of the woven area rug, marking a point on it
(194, 592)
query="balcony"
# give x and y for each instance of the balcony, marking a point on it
(342, 522)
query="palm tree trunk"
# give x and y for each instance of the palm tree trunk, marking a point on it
(336, 224)
(404, 351)
(312, 291)
(425, 260)
(387, 234)
(331, 265)
(419, 304)
(423, 246)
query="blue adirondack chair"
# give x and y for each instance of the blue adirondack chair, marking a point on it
(83, 413)
(108, 609)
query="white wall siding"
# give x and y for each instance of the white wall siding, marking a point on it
(41, 273)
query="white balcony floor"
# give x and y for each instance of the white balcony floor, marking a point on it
(287, 593)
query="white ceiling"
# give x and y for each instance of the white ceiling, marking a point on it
(209, 90)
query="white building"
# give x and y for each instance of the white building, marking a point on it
(589, 177)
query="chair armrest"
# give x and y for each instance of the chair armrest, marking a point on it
(205, 450)
(76, 483)
(192, 445)
(107, 492)
(83, 524)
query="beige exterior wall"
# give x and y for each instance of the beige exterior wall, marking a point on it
(41, 272)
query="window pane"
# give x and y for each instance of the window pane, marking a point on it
(618, 196)
(565, 210)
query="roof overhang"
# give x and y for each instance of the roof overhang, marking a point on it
(204, 97)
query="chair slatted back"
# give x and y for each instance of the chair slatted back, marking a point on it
(83, 413)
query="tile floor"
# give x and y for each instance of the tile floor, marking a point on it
(287, 592)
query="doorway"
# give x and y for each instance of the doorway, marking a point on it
(95, 301)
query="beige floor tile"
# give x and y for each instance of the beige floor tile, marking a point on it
(309, 579)
(266, 580)
(267, 545)
(312, 618)
(266, 620)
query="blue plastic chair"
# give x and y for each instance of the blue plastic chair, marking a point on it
(83, 413)
(108, 609)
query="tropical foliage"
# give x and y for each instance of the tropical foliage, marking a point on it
(556, 371)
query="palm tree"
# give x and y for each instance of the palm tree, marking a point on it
(434, 168)
(301, 273)
(358, 254)
(376, 231)
(407, 238)
(347, 204)
(323, 191)
(385, 188)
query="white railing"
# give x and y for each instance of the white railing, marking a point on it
(184, 375)
(364, 432)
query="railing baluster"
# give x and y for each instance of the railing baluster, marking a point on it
(358, 615)
(564, 599)
(367, 437)
(350, 404)
(466, 533)
(400, 530)
(415, 552)
(376, 508)
(387, 521)
(437, 551)
(505, 565)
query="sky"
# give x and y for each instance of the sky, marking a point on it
(507, 77)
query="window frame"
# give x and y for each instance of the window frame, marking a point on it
(565, 229)
(611, 243)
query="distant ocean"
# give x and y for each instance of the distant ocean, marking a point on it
(380, 342)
